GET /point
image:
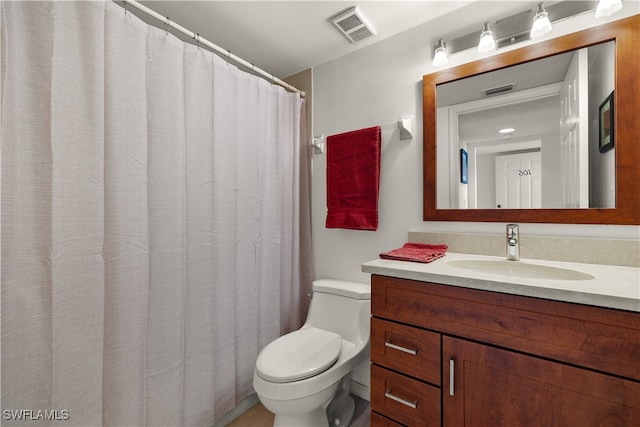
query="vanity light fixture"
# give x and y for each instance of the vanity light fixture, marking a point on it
(487, 42)
(608, 7)
(541, 24)
(518, 28)
(440, 56)
(506, 131)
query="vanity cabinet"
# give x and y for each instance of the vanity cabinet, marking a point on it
(453, 356)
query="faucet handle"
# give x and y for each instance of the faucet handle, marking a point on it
(512, 229)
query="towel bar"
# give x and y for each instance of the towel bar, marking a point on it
(405, 124)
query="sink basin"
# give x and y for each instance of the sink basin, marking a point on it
(519, 269)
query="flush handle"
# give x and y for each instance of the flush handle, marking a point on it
(410, 351)
(392, 396)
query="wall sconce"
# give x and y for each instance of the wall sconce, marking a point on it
(541, 24)
(440, 56)
(608, 7)
(487, 42)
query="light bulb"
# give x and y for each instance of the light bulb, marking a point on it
(541, 24)
(608, 7)
(487, 42)
(440, 56)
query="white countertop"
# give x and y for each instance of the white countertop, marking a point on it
(612, 286)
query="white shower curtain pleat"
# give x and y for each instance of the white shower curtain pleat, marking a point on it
(246, 211)
(154, 229)
(199, 373)
(77, 211)
(126, 233)
(26, 208)
(166, 204)
(268, 240)
(224, 230)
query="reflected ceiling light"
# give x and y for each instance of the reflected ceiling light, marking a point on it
(440, 56)
(507, 130)
(541, 24)
(487, 42)
(608, 7)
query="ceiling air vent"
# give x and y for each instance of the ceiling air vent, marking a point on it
(353, 25)
(499, 89)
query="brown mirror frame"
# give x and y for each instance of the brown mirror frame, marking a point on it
(625, 33)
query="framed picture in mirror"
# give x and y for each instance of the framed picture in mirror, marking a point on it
(464, 166)
(606, 124)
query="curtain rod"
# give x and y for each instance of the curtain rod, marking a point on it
(225, 53)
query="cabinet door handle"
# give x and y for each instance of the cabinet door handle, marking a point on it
(452, 370)
(400, 348)
(391, 396)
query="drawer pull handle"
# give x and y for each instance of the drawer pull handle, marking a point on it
(400, 348)
(452, 378)
(391, 396)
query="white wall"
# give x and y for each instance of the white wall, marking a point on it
(377, 85)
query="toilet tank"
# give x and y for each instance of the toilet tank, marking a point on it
(342, 307)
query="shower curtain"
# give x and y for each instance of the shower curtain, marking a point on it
(155, 222)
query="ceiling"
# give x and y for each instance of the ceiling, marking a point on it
(532, 118)
(285, 37)
(529, 119)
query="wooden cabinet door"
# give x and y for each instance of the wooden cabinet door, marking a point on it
(495, 387)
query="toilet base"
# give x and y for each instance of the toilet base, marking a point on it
(317, 418)
(341, 417)
(342, 408)
(308, 411)
(338, 409)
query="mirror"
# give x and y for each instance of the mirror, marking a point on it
(525, 136)
(609, 195)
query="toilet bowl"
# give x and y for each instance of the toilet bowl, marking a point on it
(303, 377)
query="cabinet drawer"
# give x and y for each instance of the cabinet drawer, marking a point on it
(412, 351)
(404, 399)
(378, 420)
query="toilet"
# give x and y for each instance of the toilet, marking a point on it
(303, 377)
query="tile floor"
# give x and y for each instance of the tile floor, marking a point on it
(258, 416)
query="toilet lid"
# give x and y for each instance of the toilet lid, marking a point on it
(299, 355)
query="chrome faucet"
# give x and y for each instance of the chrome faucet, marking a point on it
(513, 242)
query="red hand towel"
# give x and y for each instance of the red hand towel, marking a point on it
(353, 179)
(416, 252)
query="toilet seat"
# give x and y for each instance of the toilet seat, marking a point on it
(298, 355)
